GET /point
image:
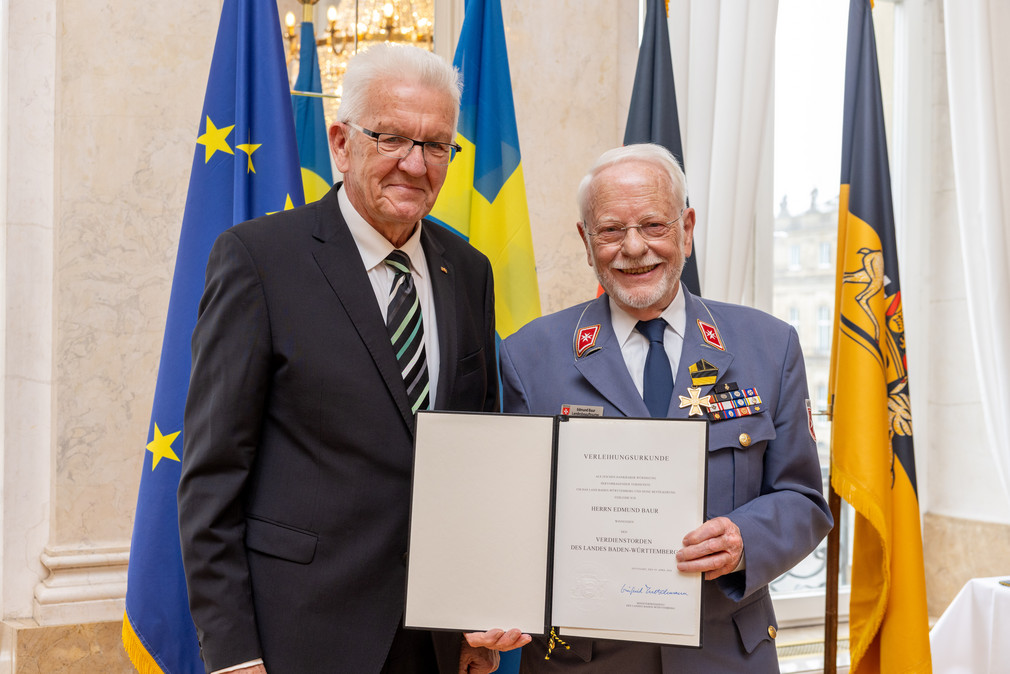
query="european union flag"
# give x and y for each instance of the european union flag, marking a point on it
(245, 165)
(310, 120)
(484, 196)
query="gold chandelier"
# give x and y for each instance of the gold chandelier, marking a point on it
(353, 25)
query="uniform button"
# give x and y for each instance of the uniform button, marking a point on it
(772, 632)
(745, 442)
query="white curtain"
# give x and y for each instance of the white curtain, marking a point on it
(978, 82)
(723, 63)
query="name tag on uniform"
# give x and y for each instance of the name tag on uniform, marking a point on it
(581, 410)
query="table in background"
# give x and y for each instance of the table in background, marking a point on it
(973, 634)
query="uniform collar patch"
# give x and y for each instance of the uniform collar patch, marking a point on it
(585, 339)
(710, 335)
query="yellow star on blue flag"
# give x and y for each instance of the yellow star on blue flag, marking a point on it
(161, 447)
(249, 148)
(214, 140)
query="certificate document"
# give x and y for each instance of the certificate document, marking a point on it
(627, 492)
(571, 522)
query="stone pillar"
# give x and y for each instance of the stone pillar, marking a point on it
(100, 116)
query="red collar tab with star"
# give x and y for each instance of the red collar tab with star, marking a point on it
(710, 334)
(585, 339)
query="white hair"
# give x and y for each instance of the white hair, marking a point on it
(650, 153)
(385, 62)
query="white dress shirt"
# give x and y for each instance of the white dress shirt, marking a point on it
(373, 248)
(635, 345)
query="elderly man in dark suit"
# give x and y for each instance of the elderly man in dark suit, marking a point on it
(322, 331)
(649, 348)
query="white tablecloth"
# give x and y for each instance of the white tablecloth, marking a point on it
(973, 634)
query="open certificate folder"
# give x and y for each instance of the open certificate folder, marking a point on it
(570, 522)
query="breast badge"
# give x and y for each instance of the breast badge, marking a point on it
(695, 402)
(703, 373)
(730, 402)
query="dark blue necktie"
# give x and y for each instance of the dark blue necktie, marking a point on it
(657, 384)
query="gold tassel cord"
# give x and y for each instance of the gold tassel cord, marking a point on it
(551, 643)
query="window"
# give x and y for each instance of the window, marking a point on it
(827, 259)
(824, 325)
(794, 257)
(794, 318)
(809, 90)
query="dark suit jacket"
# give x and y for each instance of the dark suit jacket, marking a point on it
(293, 500)
(763, 471)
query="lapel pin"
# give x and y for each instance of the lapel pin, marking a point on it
(444, 270)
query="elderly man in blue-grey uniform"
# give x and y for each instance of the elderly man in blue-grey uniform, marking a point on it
(647, 347)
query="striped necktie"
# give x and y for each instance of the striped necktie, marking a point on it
(406, 331)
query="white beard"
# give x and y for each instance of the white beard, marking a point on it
(639, 298)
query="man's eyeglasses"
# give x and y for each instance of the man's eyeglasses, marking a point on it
(398, 147)
(609, 235)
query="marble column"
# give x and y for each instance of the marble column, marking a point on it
(101, 112)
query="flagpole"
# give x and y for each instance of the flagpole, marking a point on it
(831, 592)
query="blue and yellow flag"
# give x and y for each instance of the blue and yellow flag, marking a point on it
(484, 196)
(872, 462)
(245, 165)
(652, 115)
(310, 120)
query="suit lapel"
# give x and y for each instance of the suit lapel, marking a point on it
(695, 349)
(340, 263)
(603, 366)
(442, 276)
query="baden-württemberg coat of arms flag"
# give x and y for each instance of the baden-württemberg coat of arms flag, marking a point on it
(484, 196)
(245, 166)
(873, 464)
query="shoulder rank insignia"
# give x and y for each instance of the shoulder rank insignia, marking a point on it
(729, 401)
(710, 335)
(703, 373)
(585, 339)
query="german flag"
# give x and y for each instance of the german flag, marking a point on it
(652, 115)
(873, 462)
